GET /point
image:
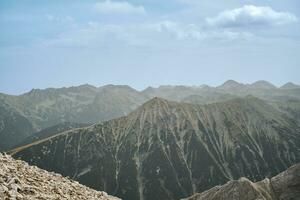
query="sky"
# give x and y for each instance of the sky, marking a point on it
(147, 42)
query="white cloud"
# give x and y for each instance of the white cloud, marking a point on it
(96, 34)
(250, 15)
(65, 19)
(118, 7)
(194, 32)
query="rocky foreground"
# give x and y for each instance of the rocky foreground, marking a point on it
(18, 180)
(285, 186)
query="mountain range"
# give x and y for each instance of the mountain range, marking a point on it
(171, 150)
(24, 115)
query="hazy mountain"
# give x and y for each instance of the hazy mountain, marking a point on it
(82, 104)
(18, 180)
(168, 150)
(14, 127)
(232, 86)
(208, 97)
(290, 85)
(262, 85)
(88, 104)
(260, 89)
(285, 186)
(175, 93)
(38, 109)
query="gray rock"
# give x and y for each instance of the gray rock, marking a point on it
(18, 180)
(285, 186)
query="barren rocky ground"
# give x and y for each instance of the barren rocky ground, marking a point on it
(18, 180)
(284, 186)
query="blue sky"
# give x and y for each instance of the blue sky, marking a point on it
(147, 42)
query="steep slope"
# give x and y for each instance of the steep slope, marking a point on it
(82, 104)
(41, 109)
(14, 127)
(18, 180)
(290, 107)
(285, 186)
(168, 150)
(48, 132)
(111, 102)
(88, 104)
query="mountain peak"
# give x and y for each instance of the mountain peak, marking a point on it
(155, 101)
(153, 106)
(261, 84)
(290, 85)
(231, 84)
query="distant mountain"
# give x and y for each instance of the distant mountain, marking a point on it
(232, 85)
(260, 89)
(21, 181)
(169, 150)
(40, 109)
(208, 97)
(290, 85)
(175, 93)
(285, 186)
(14, 126)
(262, 85)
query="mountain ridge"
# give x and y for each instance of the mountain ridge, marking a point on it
(156, 151)
(284, 186)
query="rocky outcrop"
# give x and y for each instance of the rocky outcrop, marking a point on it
(18, 180)
(168, 150)
(285, 186)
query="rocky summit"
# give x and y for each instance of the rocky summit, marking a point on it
(285, 186)
(168, 150)
(19, 181)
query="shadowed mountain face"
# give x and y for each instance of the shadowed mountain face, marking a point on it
(168, 150)
(285, 186)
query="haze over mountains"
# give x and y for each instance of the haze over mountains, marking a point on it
(160, 143)
(38, 109)
(170, 150)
